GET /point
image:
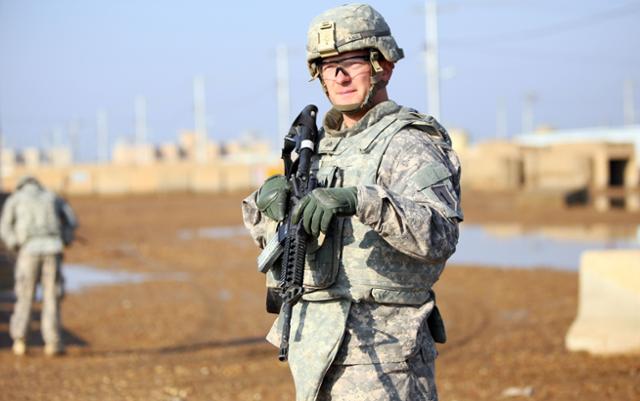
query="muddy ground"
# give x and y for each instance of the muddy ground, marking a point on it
(194, 330)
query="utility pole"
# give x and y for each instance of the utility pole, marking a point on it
(103, 136)
(140, 120)
(74, 129)
(431, 58)
(200, 118)
(527, 113)
(56, 136)
(282, 89)
(141, 127)
(501, 119)
(629, 102)
(53, 153)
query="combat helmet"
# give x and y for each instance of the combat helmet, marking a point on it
(349, 28)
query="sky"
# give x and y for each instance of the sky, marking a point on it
(62, 61)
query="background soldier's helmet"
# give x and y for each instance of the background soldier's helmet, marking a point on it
(27, 179)
(347, 28)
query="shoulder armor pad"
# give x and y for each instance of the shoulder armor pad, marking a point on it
(427, 124)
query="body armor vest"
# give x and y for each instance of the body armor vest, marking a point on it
(37, 216)
(354, 261)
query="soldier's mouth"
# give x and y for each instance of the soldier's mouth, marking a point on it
(347, 92)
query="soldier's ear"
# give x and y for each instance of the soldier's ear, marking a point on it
(387, 69)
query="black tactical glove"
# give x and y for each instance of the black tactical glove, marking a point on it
(318, 208)
(272, 197)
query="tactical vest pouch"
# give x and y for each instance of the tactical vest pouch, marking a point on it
(320, 272)
(273, 301)
(323, 264)
(321, 269)
(436, 326)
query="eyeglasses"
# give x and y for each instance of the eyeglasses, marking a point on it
(351, 66)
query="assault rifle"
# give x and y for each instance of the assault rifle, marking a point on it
(290, 243)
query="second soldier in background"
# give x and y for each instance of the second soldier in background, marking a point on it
(37, 224)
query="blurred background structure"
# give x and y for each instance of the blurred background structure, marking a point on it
(177, 111)
(95, 97)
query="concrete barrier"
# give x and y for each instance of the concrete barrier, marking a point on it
(608, 320)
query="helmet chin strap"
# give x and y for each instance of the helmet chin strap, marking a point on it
(367, 103)
(374, 86)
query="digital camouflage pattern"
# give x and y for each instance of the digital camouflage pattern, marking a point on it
(37, 224)
(36, 220)
(317, 329)
(395, 169)
(31, 268)
(413, 379)
(347, 28)
(411, 204)
(385, 333)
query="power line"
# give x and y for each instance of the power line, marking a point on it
(552, 29)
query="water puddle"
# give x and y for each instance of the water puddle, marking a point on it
(504, 245)
(213, 233)
(79, 277)
(555, 247)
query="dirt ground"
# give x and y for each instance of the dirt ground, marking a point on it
(194, 330)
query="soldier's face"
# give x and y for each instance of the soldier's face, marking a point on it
(347, 77)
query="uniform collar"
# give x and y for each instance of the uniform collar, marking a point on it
(333, 119)
(30, 188)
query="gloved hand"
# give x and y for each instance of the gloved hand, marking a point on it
(272, 197)
(318, 208)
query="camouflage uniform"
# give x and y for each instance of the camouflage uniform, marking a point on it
(37, 224)
(360, 331)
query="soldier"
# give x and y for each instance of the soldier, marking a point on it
(386, 220)
(37, 225)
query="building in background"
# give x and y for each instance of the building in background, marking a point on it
(188, 165)
(600, 166)
(594, 166)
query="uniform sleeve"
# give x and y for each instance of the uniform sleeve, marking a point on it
(261, 228)
(6, 224)
(415, 203)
